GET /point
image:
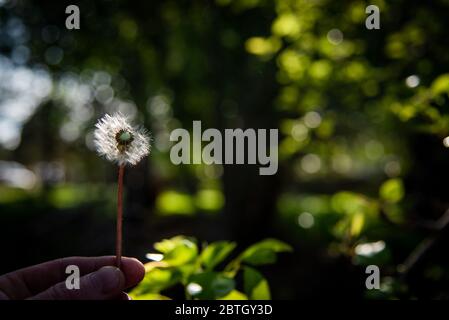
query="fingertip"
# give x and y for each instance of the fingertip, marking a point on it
(133, 270)
(109, 279)
(124, 296)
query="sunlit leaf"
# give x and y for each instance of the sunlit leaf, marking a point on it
(264, 252)
(286, 25)
(234, 295)
(172, 202)
(210, 285)
(320, 70)
(256, 286)
(351, 203)
(357, 223)
(392, 190)
(440, 84)
(209, 199)
(215, 253)
(157, 280)
(262, 46)
(177, 251)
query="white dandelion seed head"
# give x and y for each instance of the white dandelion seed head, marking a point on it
(118, 141)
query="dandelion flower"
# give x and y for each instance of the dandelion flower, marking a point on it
(118, 141)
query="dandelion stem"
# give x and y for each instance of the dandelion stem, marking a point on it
(118, 244)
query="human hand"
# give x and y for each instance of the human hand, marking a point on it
(99, 280)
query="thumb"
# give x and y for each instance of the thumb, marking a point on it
(105, 283)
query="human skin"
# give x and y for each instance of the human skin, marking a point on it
(99, 280)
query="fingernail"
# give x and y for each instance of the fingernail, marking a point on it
(108, 279)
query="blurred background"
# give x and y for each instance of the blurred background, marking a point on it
(363, 115)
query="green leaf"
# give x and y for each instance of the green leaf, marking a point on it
(175, 203)
(177, 251)
(264, 252)
(234, 295)
(350, 225)
(440, 84)
(209, 199)
(157, 280)
(392, 190)
(256, 286)
(357, 224)
(340, 230)
(187, 270)
(210, 285)
(215, 253)
(350, 203)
